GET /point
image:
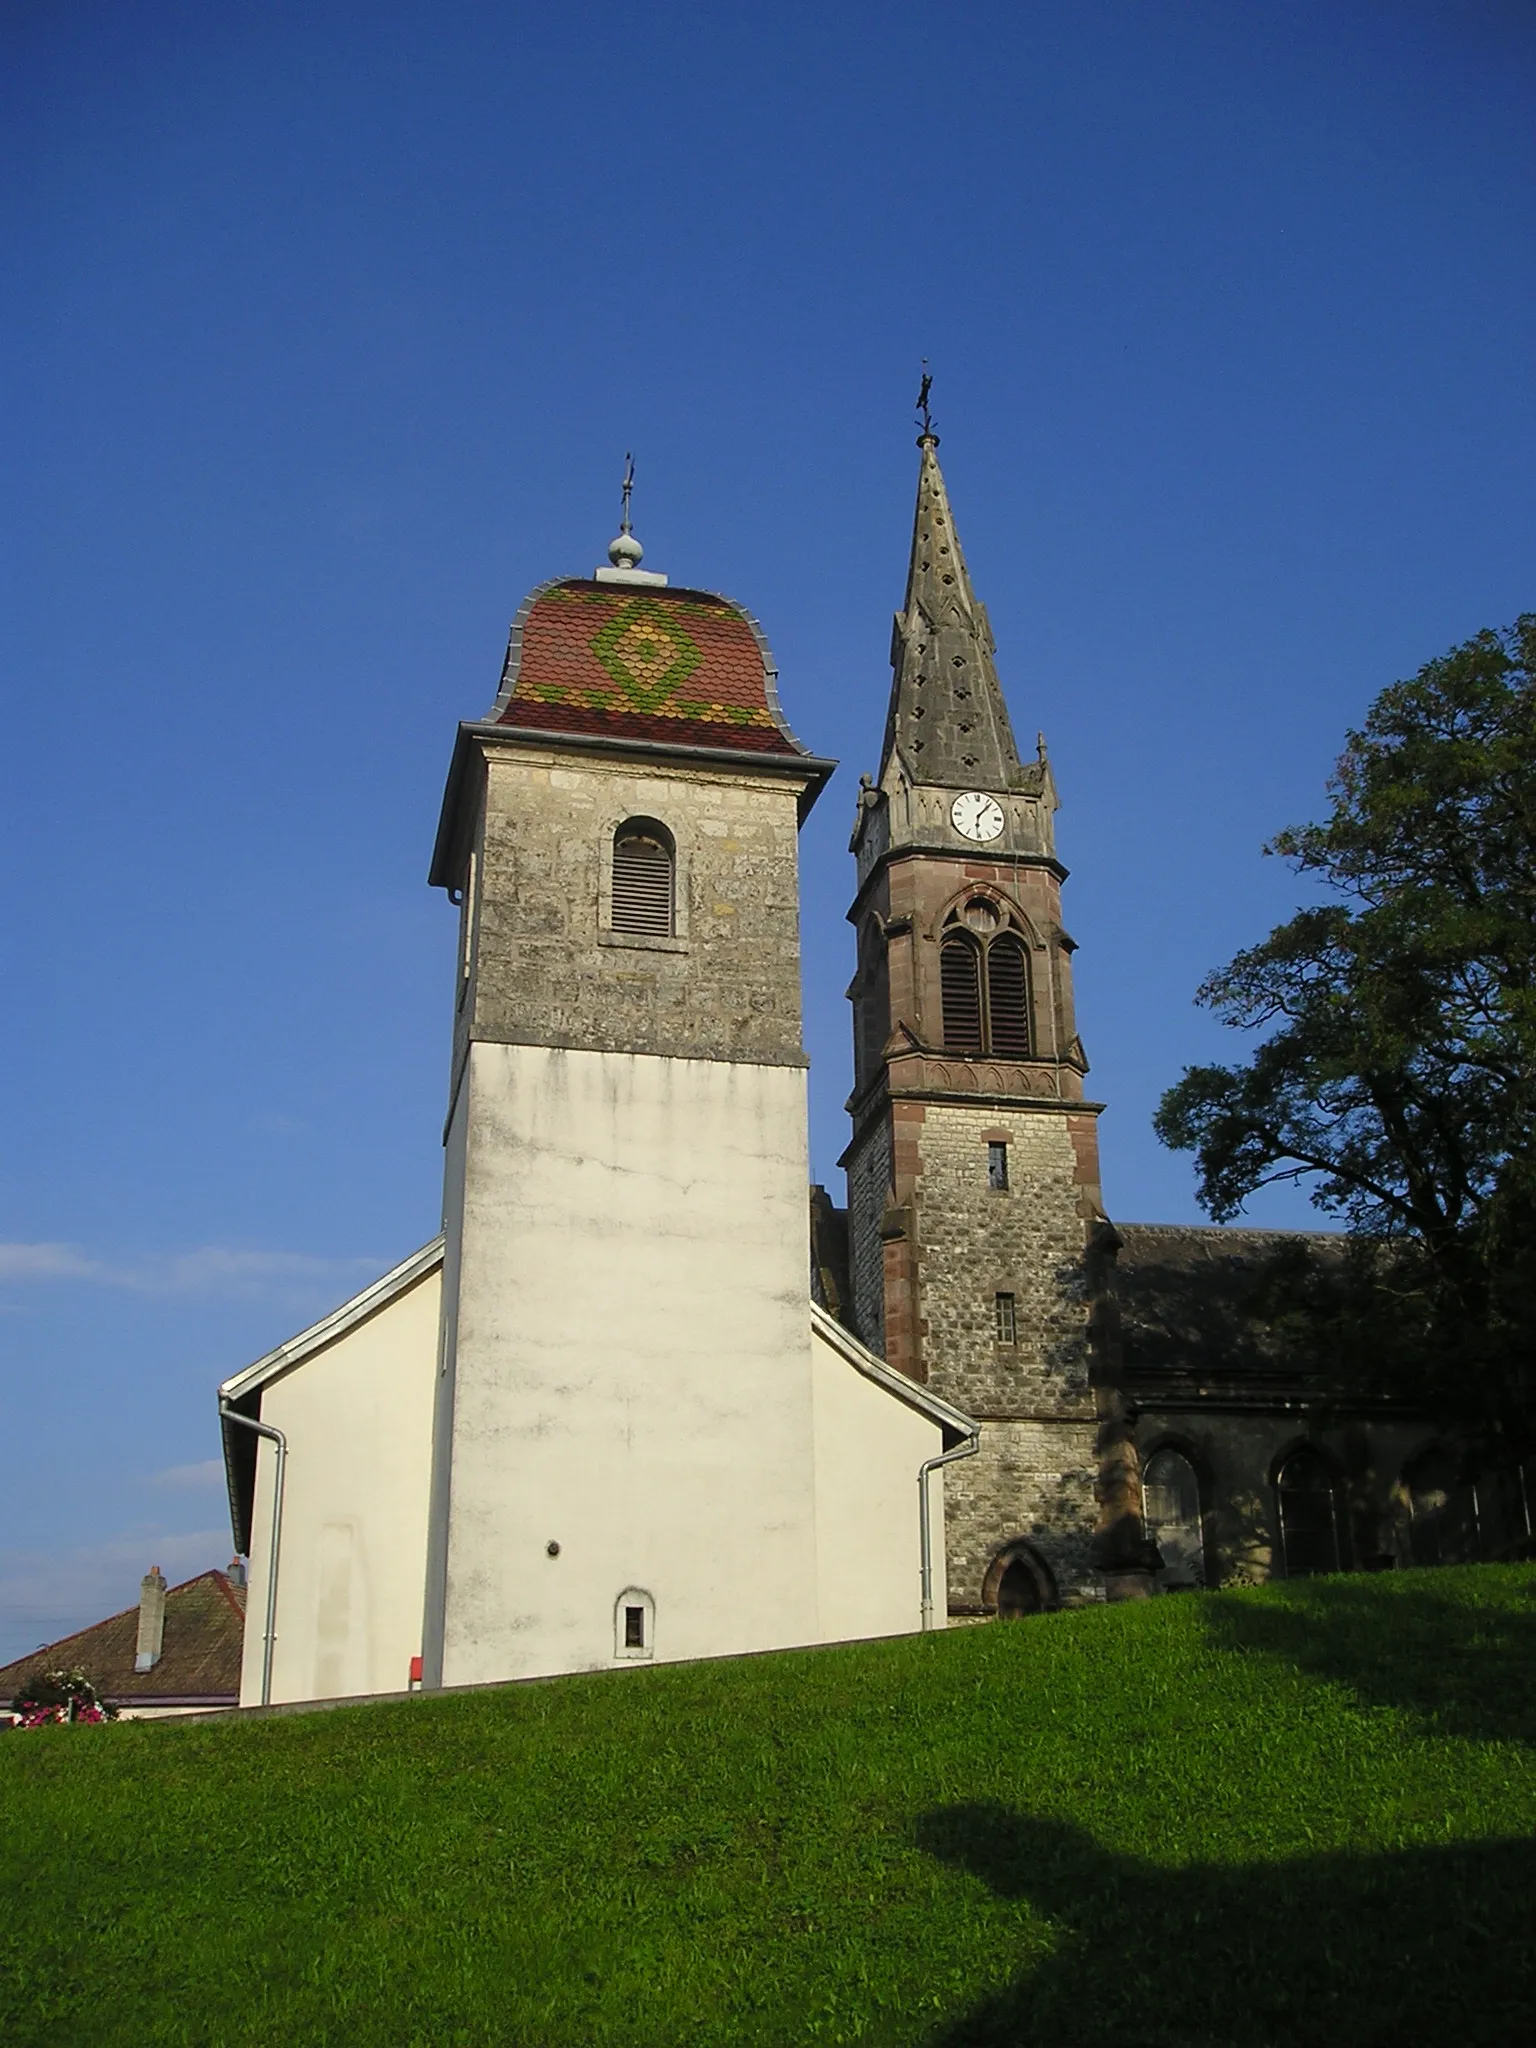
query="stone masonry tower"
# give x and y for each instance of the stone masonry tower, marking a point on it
(622, 1446)
(973, 1177)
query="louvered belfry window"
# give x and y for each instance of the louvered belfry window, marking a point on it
(644, 872)
(1008, 998)
(960, 987)
(984, 984)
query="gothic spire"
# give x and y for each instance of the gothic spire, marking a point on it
(948, 723)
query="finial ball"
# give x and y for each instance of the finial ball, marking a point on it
(625, 552)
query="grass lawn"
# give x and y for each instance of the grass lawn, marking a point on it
(1297, 1815)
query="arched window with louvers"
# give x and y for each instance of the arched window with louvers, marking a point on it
(984, 983)
(644, 880)
(960, 987)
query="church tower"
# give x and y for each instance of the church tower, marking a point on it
(623, 1459)
(973, 1177)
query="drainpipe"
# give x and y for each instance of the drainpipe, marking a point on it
(968, 1449)
(275, 1436)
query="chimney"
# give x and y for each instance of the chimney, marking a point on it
(236, 1571)
(151, 1620)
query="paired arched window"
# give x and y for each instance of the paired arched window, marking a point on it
(1309, 1515)
(644, 880)
(984, 984)
(1170, 1506)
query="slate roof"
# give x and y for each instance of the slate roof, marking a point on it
(1203, 1302)
(683, 668)
(200, 1657)
(948, 720)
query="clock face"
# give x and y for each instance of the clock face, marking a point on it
(976, 816)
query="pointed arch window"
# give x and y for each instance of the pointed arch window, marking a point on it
(1309, 1515)
(984, 984)
(1170, 1497)
(644, 880)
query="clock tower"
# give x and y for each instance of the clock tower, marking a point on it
(973, 1178)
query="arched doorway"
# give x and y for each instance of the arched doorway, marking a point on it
(1309, 1518)
(1019, 1582)
(1170, 1496)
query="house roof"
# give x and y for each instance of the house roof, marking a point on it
(200, 1656)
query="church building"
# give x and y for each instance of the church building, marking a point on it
(642, 1399)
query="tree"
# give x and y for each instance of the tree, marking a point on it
(1397, 1072)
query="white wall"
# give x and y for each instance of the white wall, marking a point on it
(632, 1369)
(358, 1417)
(869, 1446)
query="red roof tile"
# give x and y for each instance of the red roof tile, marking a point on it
(677, 666)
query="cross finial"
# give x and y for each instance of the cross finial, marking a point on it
(628, 486)
(922, 400)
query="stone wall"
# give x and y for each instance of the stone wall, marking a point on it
(1030, 1482)
(868, 1164)
(547, 970)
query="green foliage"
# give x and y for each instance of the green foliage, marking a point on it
(1296, 1814)
(1398, 1068)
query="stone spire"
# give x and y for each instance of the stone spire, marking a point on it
(948, 724)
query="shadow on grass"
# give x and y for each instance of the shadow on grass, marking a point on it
(1469, 1669)
(1421, 1945)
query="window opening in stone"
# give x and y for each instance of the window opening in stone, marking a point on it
(634, 1628)
(997, 1167)
(1309, 1522)
(1003, 1306)
(1008, 998)
(643, 881)
(960, 988)
(1170, 1500)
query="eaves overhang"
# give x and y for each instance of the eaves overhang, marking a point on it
(813, 771)
(242, 1390)
(956, 1425)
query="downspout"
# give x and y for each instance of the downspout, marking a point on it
(968, 1449)
(266, 1429)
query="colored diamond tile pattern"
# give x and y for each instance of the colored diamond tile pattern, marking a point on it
(677, 666)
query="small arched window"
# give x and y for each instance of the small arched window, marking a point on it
(644, 880)
(1309, 1517)
(1170, 1499)
(960, 988)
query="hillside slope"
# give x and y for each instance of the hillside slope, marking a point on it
(1283, 1816)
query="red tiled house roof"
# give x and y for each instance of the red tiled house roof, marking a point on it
(200, 1656)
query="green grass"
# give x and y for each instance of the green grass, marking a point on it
(1297, 1815)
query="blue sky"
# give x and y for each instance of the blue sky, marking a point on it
(328, 330)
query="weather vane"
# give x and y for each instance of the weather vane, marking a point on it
(922, 398)
(629, 485)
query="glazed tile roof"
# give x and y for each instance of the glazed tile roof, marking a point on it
(681, 667)
(200, 1656)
